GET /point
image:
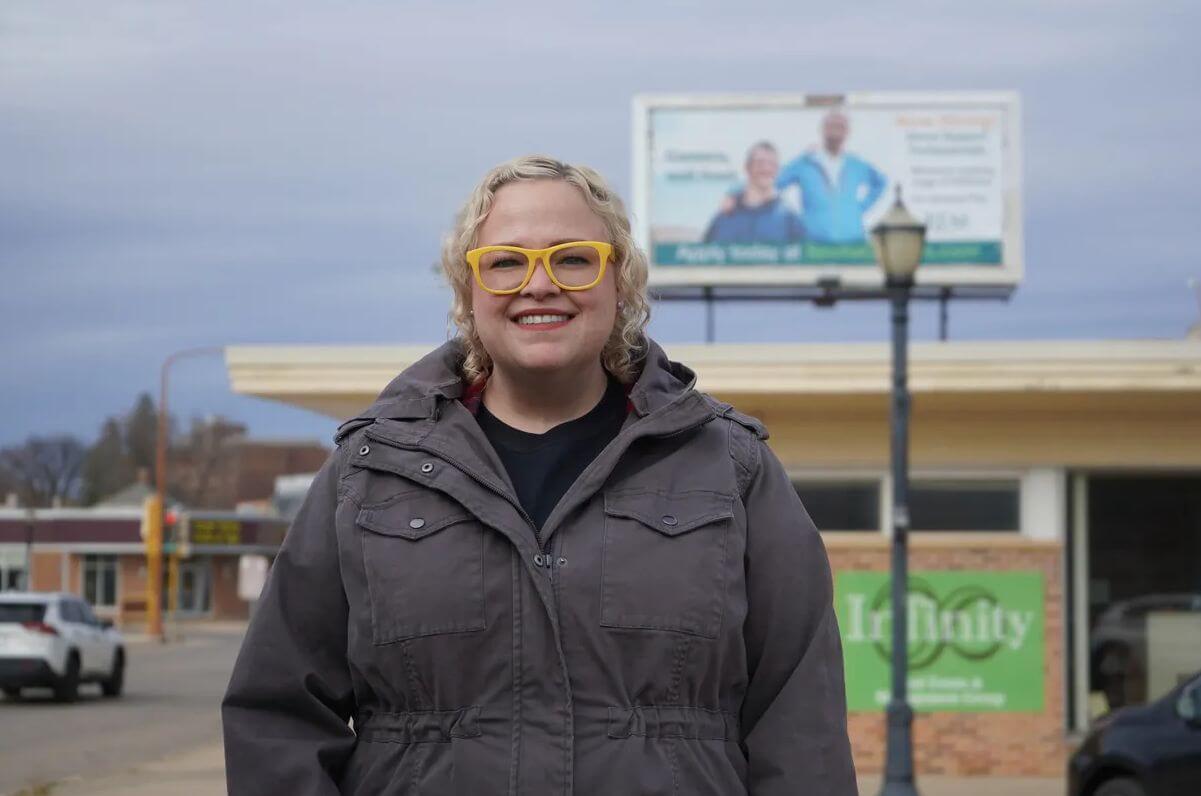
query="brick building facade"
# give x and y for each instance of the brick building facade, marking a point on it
(99, 554)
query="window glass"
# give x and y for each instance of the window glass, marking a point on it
(86, 612)
(12, 579)
(19, 613)
(69, 610)
(1143, 588)
(100, 580)
(841, 505)
(964, 505)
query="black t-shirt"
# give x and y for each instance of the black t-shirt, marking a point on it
(543, 467)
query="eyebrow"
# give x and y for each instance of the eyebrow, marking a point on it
(556, 243)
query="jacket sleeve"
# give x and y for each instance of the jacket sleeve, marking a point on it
(791, 173)
(794, 715)
(875, 186)
(285, 713)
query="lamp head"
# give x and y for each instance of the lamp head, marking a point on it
(898, 240)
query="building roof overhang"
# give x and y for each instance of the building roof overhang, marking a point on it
(340, 380)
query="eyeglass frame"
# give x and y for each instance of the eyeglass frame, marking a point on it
(533, 256)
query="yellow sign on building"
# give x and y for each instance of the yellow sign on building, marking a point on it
(216, 532)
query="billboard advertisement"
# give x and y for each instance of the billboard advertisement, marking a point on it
(783, 190)
(975, 640)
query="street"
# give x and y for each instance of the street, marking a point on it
(170, 706)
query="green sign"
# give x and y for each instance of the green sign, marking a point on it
(718, 254)
(975, 640)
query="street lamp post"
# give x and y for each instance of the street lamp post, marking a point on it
(30, 520)
(898, 240)
(154, 556)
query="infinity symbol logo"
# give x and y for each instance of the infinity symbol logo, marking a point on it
(969, 621)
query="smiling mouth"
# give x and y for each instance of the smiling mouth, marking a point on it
(542, 320)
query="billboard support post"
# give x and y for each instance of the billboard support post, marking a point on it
(827, 295)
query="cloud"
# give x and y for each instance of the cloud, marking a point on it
(182, 173)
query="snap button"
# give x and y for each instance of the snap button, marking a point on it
(363, 451)
(670, 519)
(562, 562)
(416, 523)
(427, 467)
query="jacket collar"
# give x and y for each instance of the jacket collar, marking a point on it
(421, 390)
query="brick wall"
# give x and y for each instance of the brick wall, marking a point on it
(132, 584)
(48, 571)
(1013, 744)
(225, 601)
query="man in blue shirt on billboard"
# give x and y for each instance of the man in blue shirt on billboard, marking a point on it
(756, 214)
(837, 188)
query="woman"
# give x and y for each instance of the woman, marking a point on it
(541, 562)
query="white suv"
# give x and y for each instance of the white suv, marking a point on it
(54, 639)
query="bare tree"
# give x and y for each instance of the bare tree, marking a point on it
(45, 469)
(202, 460)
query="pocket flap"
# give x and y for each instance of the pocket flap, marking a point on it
(412, 515)
(670, 513)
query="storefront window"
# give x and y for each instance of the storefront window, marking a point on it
(100, 580)
(841, 505)
(12, 579)
(965, 505)
(1144, 587)
(12, 569)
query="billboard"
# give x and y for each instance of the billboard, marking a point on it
(975, 640)
(782, 190)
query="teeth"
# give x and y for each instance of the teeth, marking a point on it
(526, 320)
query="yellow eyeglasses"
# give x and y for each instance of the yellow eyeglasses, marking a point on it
(576, 265)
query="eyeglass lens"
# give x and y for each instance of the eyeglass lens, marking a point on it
(573, 266)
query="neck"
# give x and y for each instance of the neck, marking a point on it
(833, 151)
(537, 402)
(753, 196)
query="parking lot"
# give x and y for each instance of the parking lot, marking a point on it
(170, 707)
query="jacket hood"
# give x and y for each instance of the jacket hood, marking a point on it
(419, 389)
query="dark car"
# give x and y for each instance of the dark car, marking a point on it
(1148, 750)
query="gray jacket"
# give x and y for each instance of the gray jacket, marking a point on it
(669, 630)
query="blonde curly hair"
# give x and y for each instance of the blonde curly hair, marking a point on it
(619, 356)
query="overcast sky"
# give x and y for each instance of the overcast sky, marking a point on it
(207, 173)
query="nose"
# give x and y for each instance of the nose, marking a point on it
(540, 286)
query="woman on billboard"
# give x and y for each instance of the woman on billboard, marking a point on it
(542, 562)
(756, 213)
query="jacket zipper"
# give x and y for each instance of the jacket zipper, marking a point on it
(546, 556)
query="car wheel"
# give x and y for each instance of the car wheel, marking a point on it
(67, 687)
(1123, 786)
(112, 685)
(12, 692)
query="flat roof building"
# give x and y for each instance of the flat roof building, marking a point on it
(1056, 514)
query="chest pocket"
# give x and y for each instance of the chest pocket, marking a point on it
(424, 558)
(664, 561)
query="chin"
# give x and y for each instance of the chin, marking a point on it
(549, 358)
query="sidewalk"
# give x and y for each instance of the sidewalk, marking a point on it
(201, 772)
